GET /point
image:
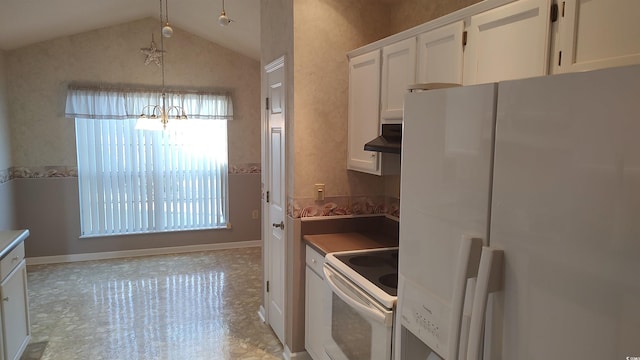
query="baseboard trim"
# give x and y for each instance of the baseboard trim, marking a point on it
(262, 314)
(40, 260)
(288, 355)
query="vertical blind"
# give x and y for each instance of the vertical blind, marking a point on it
(133, 181)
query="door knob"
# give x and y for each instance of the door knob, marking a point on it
(281, 225)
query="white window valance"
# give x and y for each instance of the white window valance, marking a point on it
(99, 103)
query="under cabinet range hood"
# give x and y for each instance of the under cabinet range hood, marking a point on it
(389, 142)
(391, 139)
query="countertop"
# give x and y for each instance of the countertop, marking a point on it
(10, 239)
(326, 243)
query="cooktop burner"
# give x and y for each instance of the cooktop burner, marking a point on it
(380, 267)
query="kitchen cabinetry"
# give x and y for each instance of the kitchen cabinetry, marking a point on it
(594, 34)
(508, 42)
(398, 72)
(440, 55)
(364, 111)
(315, 313)
(16, 331)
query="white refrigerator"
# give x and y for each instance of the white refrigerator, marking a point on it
(561, 194)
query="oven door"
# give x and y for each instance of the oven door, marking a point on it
(361, 329)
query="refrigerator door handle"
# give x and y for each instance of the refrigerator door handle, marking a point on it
(467, 267)
(490, 275)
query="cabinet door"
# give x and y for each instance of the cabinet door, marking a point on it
(594, 34)
(398, 72)
(314, 315)
(508, 42)
(15, 316)
(440, 55)
(364, 111)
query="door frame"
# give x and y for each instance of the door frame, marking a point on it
(266, 186)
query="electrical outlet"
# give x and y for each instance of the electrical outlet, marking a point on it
(255, 214)
(319, 191)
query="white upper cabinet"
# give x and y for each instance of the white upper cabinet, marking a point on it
(364, 111)
(440, 55)
(398, 72)
(508, 42)
(594, 34)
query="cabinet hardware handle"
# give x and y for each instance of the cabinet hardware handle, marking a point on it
(313, 261)
(15, 258)
(281, 225)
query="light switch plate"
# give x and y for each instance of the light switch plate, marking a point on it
(319, 191)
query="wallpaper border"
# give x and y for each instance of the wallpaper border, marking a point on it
(343, 205)
(39, 172)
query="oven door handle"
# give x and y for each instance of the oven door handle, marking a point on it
(356, 301)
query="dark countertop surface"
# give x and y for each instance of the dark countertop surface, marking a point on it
(326, 243)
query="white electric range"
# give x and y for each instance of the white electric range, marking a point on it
(363, 287)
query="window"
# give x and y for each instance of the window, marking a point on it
(133, 181)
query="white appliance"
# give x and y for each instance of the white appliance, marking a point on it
(446, 177)
(562, 204)
(361, 307)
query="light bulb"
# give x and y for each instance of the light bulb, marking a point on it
(167, 31)
(224, 20)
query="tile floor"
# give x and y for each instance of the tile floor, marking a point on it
(186, 306)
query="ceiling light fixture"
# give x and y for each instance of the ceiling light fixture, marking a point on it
(162, 112)
(167, 30)
(223, 19)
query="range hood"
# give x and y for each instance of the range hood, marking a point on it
(389, 142)
(391, 139)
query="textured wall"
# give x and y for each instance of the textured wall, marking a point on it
(5, 143)
(7, 216)
(43, 140)
(406, 14)
(38, 76)
(324, 31)
(49, 208)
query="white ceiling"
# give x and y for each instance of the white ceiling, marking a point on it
(25, 22)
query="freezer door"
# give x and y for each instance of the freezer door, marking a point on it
(566, 212)
(446, 171)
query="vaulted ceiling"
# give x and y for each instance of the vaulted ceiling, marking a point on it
(25, 22)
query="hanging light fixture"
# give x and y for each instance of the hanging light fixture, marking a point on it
(223, 19)
(161, 111)
(167, 30)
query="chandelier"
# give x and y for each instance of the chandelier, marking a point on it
(161, 111)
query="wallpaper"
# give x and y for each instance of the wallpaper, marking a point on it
(38, 75)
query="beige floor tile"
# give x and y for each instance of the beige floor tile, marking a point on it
(187, 306)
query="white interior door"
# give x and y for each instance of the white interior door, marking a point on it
(274, 262)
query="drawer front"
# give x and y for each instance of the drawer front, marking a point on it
(315, 261)
(12, 260)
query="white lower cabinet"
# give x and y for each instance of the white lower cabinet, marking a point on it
(315, 312)
(16, 331)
